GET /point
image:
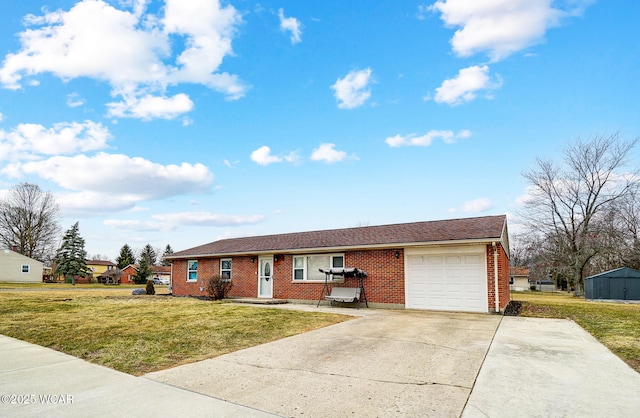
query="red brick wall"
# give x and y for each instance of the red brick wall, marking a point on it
(385, 283)
(503, 277)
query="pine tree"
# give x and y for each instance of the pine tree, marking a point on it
(148, 254)
(126, 257)
(143, 272)
(167, 251)
(71, 257)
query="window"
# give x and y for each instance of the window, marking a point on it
(25, 268)
(192, 270)
(307, 267)
(225, 268)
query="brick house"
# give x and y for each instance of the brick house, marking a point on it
(454, 265)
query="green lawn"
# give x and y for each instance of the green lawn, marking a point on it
(616, 325)
(136, 335)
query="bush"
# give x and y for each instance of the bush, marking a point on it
(218, 287)
(150, 289)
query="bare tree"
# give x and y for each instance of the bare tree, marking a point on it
(29, 221)
(567, 204)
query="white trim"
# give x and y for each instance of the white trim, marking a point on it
(305, 268)
(188, 270)
(269, 258)
(230, 260)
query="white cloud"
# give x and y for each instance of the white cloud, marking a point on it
(131, 50)
(108, 182)
(448, 137)
(292, 25)
(466, 85)
(351, 91)
(74, 100)
(28, 140)
(474, 206)
(172, 221)
(328, 154)
(262, 156)
(502, 27)
(149, 107)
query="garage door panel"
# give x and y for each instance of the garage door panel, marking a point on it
(447, 282)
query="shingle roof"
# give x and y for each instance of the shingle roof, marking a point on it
(483, 228)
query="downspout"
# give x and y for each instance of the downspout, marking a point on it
(495, 277)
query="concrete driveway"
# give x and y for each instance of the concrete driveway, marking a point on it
(391, 363)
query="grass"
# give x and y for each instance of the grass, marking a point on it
(141, 334)
(616, 325)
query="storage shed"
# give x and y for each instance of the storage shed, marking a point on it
(618, 284)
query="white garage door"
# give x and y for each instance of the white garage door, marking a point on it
(455, 281)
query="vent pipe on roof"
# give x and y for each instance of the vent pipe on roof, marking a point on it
(495, 277)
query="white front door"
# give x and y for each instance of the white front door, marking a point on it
(265, 277)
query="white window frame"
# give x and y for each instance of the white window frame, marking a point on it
(189, 270)
(28, 268)
(305, 268)
(223, 270)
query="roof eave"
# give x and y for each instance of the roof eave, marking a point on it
(339, 248)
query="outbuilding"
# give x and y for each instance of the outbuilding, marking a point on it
(618, 284)
(449, 265)
(18, 268)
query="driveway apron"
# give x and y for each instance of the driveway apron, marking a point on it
(392, 363)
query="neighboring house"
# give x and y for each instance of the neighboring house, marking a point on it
(453, 265)
(519, 279)
(161, 272)
(618, 284)
(18, 268)
(98, 267)
(129, 272)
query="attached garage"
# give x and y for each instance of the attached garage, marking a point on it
(447, 279)
(618, 284)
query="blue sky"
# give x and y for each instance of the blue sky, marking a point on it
(174, 122)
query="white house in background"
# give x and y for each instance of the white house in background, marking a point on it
(17, 268)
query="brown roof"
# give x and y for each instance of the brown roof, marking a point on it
(100, 263)
(484, 229)
(519, 271)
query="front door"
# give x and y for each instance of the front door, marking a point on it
(265, 278)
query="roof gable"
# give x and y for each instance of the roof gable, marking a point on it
(488, 228)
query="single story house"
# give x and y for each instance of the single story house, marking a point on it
(520, 279)
(618, 284)
(18, 268)
(451, 265)
(129, 272)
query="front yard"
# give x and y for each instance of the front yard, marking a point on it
(616, 325)
(137, 335)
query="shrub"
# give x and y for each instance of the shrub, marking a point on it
(218, 287)
(150, 289)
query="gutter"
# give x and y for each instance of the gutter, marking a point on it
(495, 277)
(383, 246)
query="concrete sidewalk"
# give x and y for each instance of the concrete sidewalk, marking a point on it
(38, 382)
(538, 367)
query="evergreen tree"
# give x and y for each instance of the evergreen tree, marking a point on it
(148, 254)
(71, 257)
(167, 251)
(126, 257)
(143, 272)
